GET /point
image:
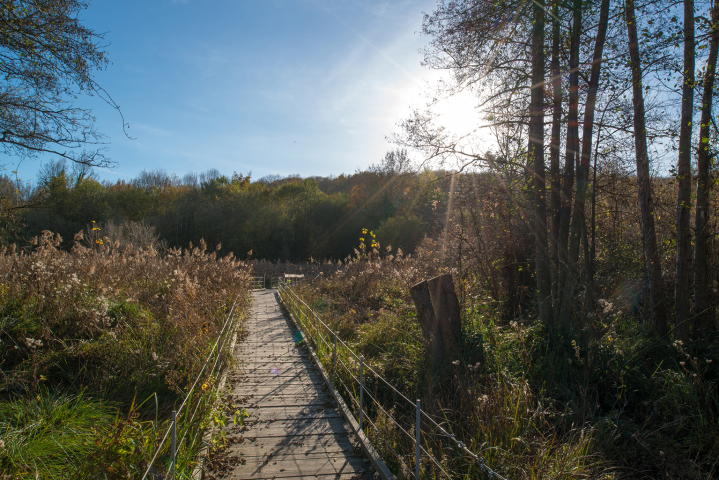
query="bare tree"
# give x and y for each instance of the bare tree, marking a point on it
(47, 58)
(536, 153)
(646, 203)
(684, 179)
(704, 158)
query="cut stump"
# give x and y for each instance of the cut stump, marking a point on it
(439, 316)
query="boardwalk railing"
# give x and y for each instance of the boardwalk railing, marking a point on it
(265, 281)
(394, 423)
(169, 449)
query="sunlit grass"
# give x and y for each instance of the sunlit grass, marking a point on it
(99, 345)
(534, 401)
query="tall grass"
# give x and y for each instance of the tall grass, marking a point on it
(99, 345)
(611, 401)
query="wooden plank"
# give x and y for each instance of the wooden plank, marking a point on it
(306, 426)
(293, 389)
(268, 350)
(263, 415)
(270, 344)
(268, 355)
(257, 397)
(269, 400)
(258, 468)
(272, 338)
(294, 429)
(276, 381)
(281, 360)
(283, 456)
(295, 409)
(276, 369)
(261, 402)
(276, 402)
(306, 376)
(298, 443)
(295, 475)
(257, 362)
(249, 385)
(298, 364)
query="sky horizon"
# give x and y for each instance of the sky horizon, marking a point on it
(313, 87)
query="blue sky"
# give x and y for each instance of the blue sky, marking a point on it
(311, 87)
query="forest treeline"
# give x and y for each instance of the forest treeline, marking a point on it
(274, 218)
(479, 223)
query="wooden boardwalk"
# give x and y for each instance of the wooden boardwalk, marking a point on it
(294, 429)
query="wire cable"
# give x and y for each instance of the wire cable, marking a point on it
(187, 395)
(478, 458)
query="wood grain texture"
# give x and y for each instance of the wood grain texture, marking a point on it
(294, 429)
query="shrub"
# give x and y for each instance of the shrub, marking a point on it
(105, 328)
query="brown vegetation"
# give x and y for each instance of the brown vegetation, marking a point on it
(122, 329)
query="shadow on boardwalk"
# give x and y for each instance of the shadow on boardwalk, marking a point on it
(294, 429)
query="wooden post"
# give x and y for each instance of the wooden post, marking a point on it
(439, 316)
(446, 306)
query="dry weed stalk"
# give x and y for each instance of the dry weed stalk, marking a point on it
(109, 317)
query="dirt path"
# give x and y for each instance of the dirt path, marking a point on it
(294, 429)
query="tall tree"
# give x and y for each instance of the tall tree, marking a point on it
(702, 307)
(554, 150)
(586, 153)
(536, 152)
(646, 203)
(567, 276)
(684, 179)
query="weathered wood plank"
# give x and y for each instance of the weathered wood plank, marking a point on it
(295, 475)
(306, 376)
(301, 457)
(291, 428)
(280, 416)
(294, 429)
(296, 387)
(298, 443)
(259, 468)
(272, 396)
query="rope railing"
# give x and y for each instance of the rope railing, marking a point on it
(171, 431)
(340, 360)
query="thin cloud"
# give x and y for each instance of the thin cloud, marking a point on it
(378, 50)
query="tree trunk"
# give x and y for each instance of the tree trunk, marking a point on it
(684, 179)
(593, 247)
(704, 318)
(536, 152)
(438, 313)
(568, 267)
(651, 251)
(556, 201)
(580, 221)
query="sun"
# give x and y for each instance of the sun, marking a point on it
(458, 114)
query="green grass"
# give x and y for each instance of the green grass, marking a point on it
(51, 434)
(94, 360)
(610, 401)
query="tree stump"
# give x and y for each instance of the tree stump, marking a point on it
(439, 316)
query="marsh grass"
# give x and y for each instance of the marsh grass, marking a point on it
(610, 401)
(48, 432)
(99, 345)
